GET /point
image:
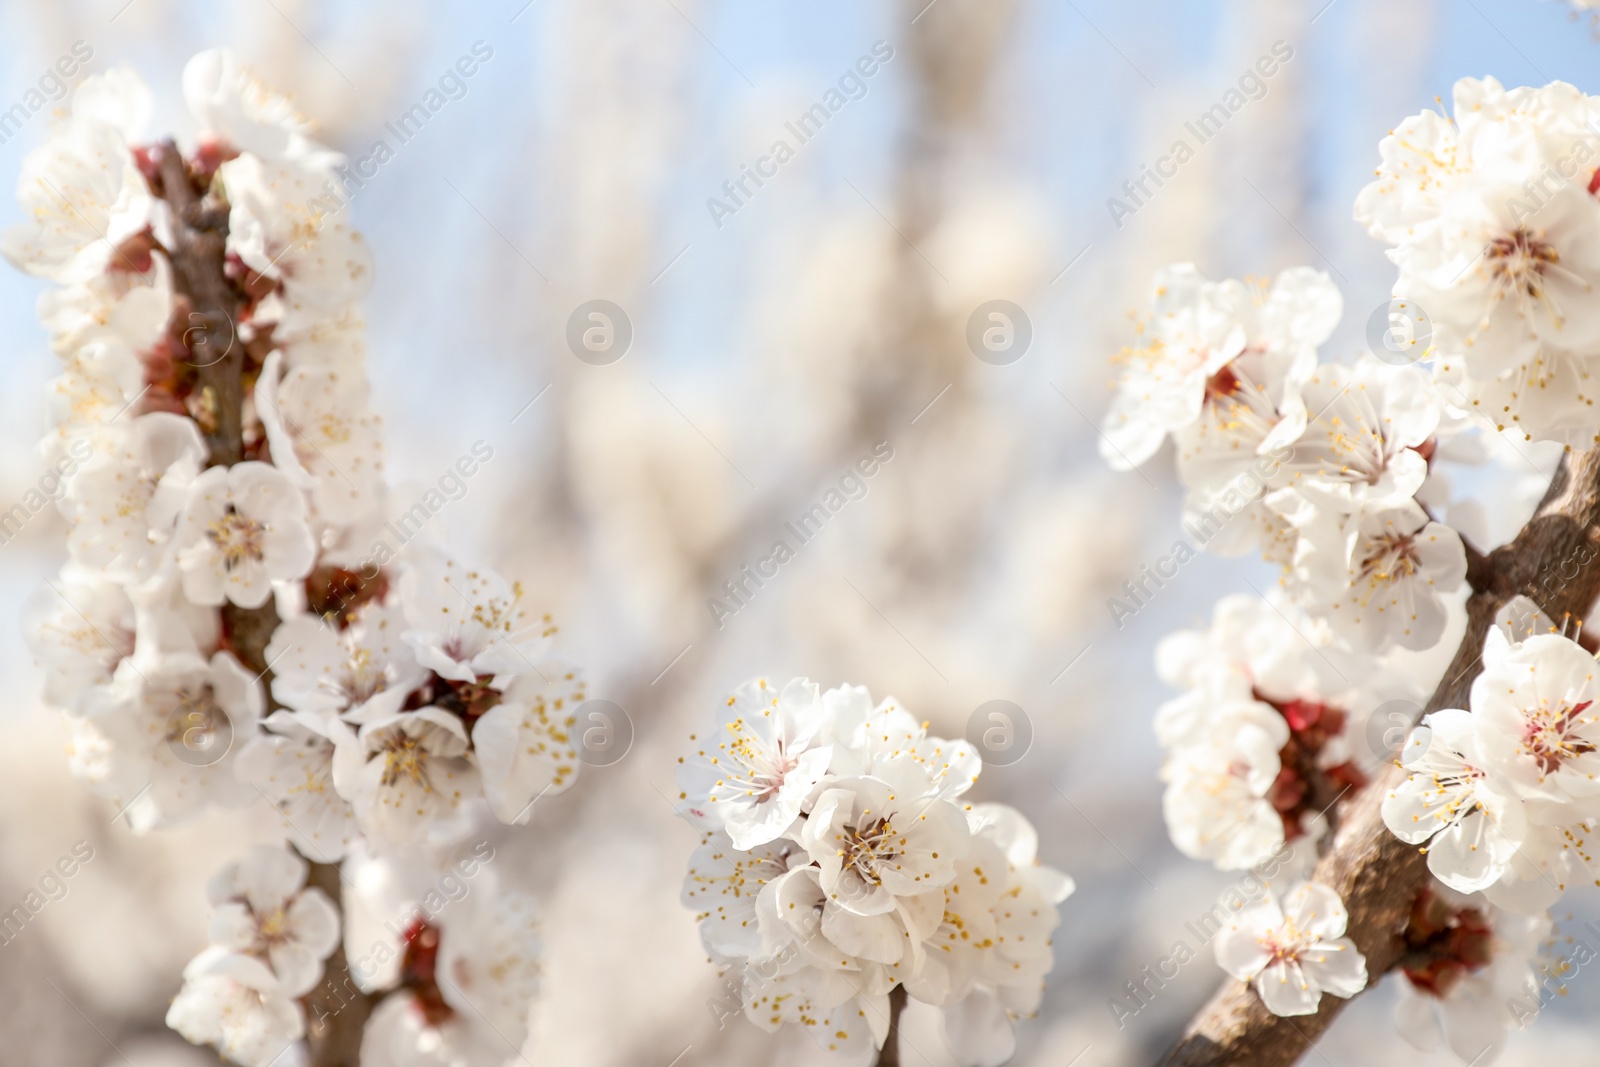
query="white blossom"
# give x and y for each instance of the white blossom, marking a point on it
(323, 436)
(85, 196)
(1379, 575)
(406, 775)
(292, 766)
(124, 505)
(524, 745)
(363, 665)
(262, 908)
(875, 876)
(760, 762)
(232, 103)
(1293, 951)
(172, 725)
(236, 1004)
(1449, 800)
(242, 528)
(469, 624)
(278, 227)
(1470, 1001)
(1497, 236)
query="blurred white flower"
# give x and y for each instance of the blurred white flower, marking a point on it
(363, 664)
(85, 196)
(262, 908)
(469, 624)
(292, 765)
(407, 774)
(172, 726)
(234, 1003)
(243, 527)
(124, 505)
(1469, 976)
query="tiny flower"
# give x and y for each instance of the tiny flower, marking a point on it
(524, 744)
(1469, 975)
(1220, 371)
(1295, 951)
(262, 908)
(230, 102)
(85, 196)
(1360, 448)
(467, 984)
(79, 629)
(243, 528)
(172, 726)
(279, 227)
(722, 886)
(877, 839)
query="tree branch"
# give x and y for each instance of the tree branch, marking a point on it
(1375, 873)
(214, 304)
(889, 1055)
(336, 1009)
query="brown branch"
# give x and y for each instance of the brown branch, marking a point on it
(337, 1008)
(889, 1055)
(1376, 874)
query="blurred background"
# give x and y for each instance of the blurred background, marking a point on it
(762, 346)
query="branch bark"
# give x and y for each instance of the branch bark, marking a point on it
(214, 304)
(1375, 873)
(889, 1055)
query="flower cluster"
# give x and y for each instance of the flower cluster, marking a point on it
(1493, 222)
(840, 861)
(454, 957)
(1256, 746)
(223, 481)
(1318, 466)
(1470, 974)
(1506, 795)
(269, 936)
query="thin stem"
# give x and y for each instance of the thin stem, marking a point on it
(889, 1055)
